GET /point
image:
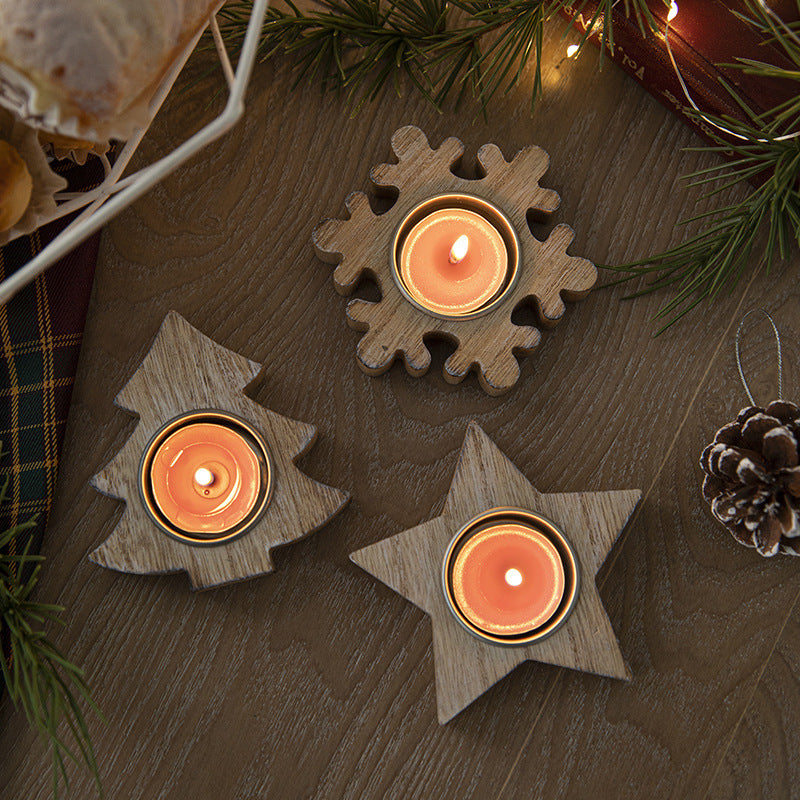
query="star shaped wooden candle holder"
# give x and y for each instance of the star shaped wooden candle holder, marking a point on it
(507, 574)
(208, 476)
(453, 258)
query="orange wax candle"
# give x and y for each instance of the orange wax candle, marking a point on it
(508, 579)
(205, 478)
(439, 275)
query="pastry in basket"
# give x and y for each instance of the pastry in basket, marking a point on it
(16, 186)
(87, 69)
(76, 150)
(28, 187)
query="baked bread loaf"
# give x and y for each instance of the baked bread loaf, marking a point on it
(16, 186)
(88, 68)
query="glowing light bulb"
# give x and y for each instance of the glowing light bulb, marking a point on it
(203, 477)
(458, 252)
(572, 50)
(673, 11)
(513, 577)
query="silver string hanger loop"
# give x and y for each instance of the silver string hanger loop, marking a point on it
(739, 358)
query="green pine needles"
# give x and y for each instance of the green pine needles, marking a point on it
(482, 48)
(765, 224)
(445, 47)
(38, 678)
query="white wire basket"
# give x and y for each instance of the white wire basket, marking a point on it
(118, 190)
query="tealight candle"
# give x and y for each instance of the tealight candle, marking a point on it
(455, 255)
(510, 576)
(206, 477)
(508, 579)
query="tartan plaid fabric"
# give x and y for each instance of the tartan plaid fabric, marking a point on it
(41, 330)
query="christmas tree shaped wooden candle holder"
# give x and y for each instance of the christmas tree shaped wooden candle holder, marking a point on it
(453, 258)
(208, 476)
(507, 575)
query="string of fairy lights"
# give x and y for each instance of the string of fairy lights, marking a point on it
(573, 50)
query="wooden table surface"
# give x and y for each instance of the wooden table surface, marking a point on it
(317, 681)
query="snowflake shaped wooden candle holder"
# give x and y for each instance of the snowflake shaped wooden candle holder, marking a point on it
(507, 575)
(453, 258)
(208, 476)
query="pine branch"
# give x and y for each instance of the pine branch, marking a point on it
(38, 677)
(444, 48)
(765, 223)
(485, 46)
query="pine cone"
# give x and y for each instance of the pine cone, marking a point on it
(753, 478)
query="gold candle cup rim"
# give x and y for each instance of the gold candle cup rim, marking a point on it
(541, 524)
(255, 441)
(492, 214)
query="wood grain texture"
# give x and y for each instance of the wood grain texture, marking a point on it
(318, 682)
(411, 563)
(394, 328)
(185, 371)
(760, 758)
(705, 614)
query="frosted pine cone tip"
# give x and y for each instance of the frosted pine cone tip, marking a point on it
(753, 479)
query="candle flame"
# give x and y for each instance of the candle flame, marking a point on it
(203, 477)
(458, 252)
(673, 11)
(513, 577)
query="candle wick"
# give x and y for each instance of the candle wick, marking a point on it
(458, 252)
